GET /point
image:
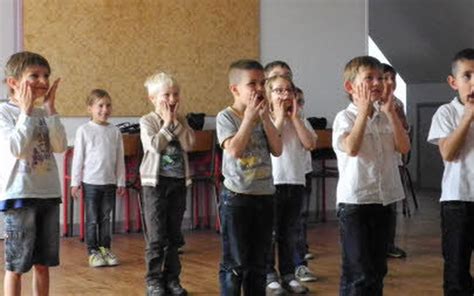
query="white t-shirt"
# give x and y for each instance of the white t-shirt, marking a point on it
(372, 176)
(27, 144)
(458, 176)
(98, 155)
(292, 165)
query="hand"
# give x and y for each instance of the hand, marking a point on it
(166, 113)
(363, 99)
(469, 109)
(76, 191)
(279, 110)
(388, 90)
(388, 106)
(121, 191)
(295, 110)
(263, 110)
(251, 111)
(24, 97)
(50, 98)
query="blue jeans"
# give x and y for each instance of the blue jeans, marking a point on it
(364, 240)
(457, 227)
(246, 237)
(100, 200)
(288, 201)
(163, 210)
(31, 237)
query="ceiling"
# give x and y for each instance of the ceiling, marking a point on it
(420, 37)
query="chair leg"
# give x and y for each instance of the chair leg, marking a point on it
(218, 217)
(412, 190)
(406, 206)
(127, 210)
(81, 219)
(206, 207)
(139, 220)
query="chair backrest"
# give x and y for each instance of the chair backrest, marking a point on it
(324, 139)
(202, 155)
(131, 145)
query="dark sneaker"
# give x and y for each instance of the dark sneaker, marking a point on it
(275, 289)
(155, 290)
(395, 252)
(303, 274)
(295, 287)
(175, 289)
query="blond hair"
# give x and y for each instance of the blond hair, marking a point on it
(157, 81)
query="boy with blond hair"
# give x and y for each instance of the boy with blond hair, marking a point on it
(452, 130)
(166, 138)
(248, 136)
(366, 138)
(30, 192)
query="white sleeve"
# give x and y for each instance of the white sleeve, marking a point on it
(120, 163)
(442, 125)
(77, 168)
(57, 134)
(16, 137)
(342, 125)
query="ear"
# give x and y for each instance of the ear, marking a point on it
(349, 87)
(12, 83)
(452, 82)
(234, 90)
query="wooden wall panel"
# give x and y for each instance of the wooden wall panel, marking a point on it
(116, 44)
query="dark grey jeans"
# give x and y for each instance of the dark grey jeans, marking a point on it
(163, 210)
(100, 200)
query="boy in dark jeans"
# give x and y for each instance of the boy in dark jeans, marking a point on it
(452, 130)
(166, 137)
(248, 136)
(366, 138)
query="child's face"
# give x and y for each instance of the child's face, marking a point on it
(463, 81)
(252, 82)
(373, 78)
(38, 78)
(282, 90)
(167, 94)
(280, 71)
(101, 110)
(389, 79)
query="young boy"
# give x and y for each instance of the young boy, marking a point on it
(164, 173)
(366, 138)
(453, 132)
(390, 82)
(248, 136)
(30, 192)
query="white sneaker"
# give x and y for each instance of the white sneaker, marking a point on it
(96, 259)
(109, 257)
(295, 287)
(274, 289)
(303, 274)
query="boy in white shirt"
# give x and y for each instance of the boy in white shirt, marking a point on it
(366, 138)
(452, 130)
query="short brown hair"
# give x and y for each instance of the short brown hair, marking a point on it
(352, 67)
(95, 95)
(242, 65)
(20, 61)
(466, 54)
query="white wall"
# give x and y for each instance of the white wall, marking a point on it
(10, 32)
(423, 93)
(316, 38)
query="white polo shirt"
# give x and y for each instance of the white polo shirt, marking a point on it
(371, 177)
(458, 176)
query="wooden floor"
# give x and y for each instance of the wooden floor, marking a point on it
(419, 274)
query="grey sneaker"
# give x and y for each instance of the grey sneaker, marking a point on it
(295, 287)
(308, 256)
(96, 259)
(396, 252)
(109, 257)
(303, 274)
(274, 289)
